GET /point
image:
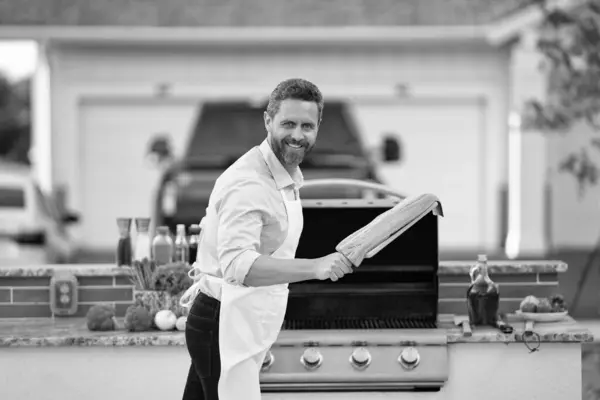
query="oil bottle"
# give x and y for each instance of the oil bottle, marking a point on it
(483, 295)
(194, 241)
(182, 247)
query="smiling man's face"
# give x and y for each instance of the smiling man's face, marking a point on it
(293, 130)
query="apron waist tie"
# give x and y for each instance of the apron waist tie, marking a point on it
(200, 279)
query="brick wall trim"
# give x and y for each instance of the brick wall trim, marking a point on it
(27, 295)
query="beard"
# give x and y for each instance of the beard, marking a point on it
(290, 152)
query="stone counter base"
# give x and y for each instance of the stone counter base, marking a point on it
(490, 371)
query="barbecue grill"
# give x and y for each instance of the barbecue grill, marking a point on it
(373, 330)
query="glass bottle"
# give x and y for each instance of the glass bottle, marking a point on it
(142, 239)
(483, 296)
(162, 246)
(124, 254)
(194, 242)
(182, 247)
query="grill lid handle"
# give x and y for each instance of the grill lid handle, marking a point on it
(353, 183)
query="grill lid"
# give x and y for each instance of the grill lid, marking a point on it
(395, 289)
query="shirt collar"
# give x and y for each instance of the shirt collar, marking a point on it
(282, 177)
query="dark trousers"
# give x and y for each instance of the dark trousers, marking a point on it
(202, 341)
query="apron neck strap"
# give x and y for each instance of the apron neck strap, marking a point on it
(282, 190)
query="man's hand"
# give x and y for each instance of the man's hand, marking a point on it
(334, 266)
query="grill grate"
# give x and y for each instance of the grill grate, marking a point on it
(359, 323)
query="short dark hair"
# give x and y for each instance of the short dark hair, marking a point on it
(298, 89)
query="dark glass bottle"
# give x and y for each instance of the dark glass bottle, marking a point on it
(124, 246)
(194, 241)
(483, 296)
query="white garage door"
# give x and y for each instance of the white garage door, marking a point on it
(116, 179)
(441, 147)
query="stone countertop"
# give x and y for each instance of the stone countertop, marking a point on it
(505, 267)
(445, 268)
(62, 332)
(567, 330)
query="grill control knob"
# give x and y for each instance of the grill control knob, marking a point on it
(409, 358)
(360, 358)
(311, 358)
(267, 362)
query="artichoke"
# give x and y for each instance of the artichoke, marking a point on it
(138, 319)
(101, 317)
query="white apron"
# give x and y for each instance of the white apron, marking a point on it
(251, 319)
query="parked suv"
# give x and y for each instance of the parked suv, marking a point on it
(33, 228)
(226, 130)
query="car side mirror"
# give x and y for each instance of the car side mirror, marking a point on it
(37, 238)
(70, 218)
(391, 149)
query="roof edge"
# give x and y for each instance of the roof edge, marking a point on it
(244, 35)
(509, 28)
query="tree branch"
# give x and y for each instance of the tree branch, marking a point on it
(570, 43)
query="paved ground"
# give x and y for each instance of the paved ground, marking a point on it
(590, 356)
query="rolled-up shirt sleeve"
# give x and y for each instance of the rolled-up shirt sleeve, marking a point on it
(242, 212)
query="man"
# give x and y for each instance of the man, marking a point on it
(246, 255)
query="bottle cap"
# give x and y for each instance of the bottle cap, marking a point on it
(124, 225)
(194, 228)
(163, 230)
(482, 257)
(142, 224)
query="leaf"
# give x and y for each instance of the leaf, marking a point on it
(582, 168)
(594, 7)
(558, 17)
(593, 119)
(568, 165)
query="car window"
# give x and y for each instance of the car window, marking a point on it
(12, 197)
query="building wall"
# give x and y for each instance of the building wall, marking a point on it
(574, 214)
(362, 73)
(550, 199)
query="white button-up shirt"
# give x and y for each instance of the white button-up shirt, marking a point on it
(245, 218)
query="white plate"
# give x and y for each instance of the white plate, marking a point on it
(542, 317)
